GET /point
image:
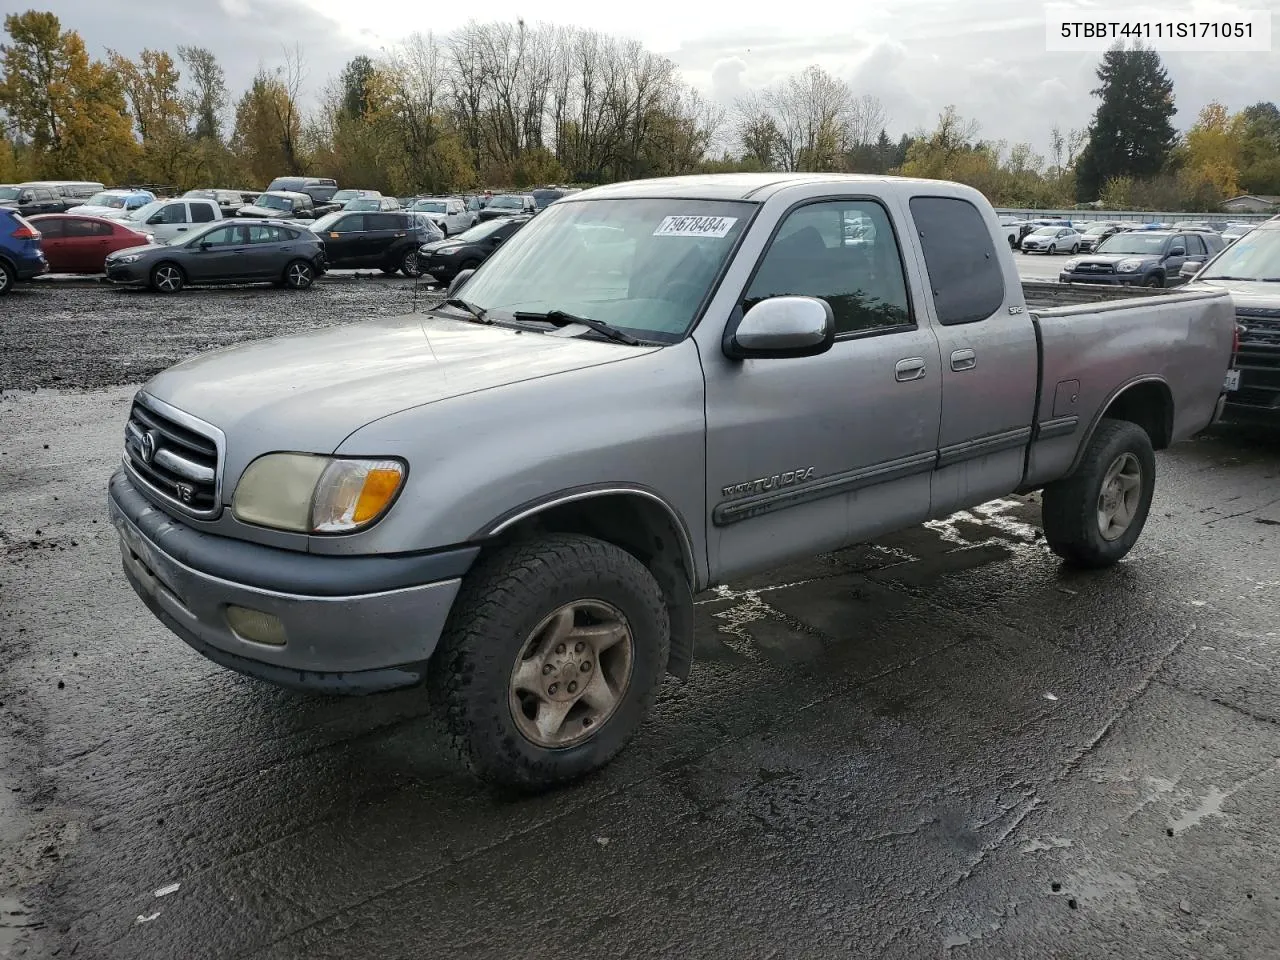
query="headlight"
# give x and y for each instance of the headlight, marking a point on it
(1128, 266)
(129, 258)
(311, 494)
(1070, 265)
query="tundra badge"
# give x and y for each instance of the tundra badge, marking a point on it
(765, 484)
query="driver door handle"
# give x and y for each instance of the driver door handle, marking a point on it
(963, 360)
(910, 369)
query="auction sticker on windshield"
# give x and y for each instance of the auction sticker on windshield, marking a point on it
(717, 227)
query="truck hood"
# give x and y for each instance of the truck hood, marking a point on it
(263, 213)
(1251, 297)
(307, 392)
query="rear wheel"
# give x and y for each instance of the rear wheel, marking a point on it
(1094, 517)
(1075, 248)
(167, 278)
(7, 278)
(410, 266)
(299, 275)
(550, 661)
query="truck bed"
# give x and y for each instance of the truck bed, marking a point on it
(1047, 294)
(1090, 349)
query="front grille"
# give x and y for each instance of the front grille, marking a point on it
(1259, 358)
(1095, 268)
(175, 456)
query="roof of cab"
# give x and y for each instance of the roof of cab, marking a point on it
(756, 187)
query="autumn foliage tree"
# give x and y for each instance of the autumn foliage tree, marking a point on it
(70, 108)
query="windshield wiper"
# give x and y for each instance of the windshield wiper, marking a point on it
(562, 319)
(476, 312)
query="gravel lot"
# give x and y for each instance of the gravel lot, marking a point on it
(941, 744)
(86, 335)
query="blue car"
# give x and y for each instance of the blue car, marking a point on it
(21, 256)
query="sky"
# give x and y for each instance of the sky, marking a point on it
(987, 57)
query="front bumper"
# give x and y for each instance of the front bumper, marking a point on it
(1109, 279)
(379, 638)
(127, 273)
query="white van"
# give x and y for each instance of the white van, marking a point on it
(169, 220)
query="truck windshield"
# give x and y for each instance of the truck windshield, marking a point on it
(1255, 256)
(269, 202)
(641, 265)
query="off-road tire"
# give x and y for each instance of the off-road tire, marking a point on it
(504, 597)
(1070, 505)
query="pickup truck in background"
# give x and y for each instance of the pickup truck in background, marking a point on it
(1249, 269)
(652, 388)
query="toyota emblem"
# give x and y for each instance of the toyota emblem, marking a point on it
(147, 446)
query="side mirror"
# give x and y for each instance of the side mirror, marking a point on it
(1177, 252)
(1190, 268)
(458, 282)
(155, 218)
(205, 244)
(781, 328)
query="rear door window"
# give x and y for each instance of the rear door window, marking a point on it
(202, 213)
(384, 221)
(965, 274)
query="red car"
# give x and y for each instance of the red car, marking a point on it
(77, 244)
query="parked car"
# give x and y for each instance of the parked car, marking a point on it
(445, 259)
(1249, 270)
(365, 204)
(545, 196)
(319, 189)
(449, 213)
(1051, 240)
(449, 498)
(240, 251)
(1095, 233)
(345, 196)
(507, 205)
(1234, 231)
(113, 203)
(228, 201)
(1144, 258)
(280, 206)
(21, 256)
(79, 244)
(169, 220)
(388, 240)
(29, 199)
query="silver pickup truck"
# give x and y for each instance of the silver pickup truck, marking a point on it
(654, 387)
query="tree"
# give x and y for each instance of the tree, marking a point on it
(938, 155)
(358, 76)
(1214, 150)
(71, 109)
(807, 122)
(1260, 149)
(267, 129)
(1132, 131)
(207, 94)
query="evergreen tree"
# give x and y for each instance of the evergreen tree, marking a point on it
(1132, 131)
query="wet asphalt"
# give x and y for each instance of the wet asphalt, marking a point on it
(942, 744)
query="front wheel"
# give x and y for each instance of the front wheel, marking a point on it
(299, 275)
(551, 658)
(1095, 516)
(1053, 248)
(167, 278)
(1155, 280)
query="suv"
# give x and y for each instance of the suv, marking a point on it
(319, 189)
(280, 205)
(388, 240)
(449, 213)
(32, 198)
(21, 257)
(1146, 258)
(508, 205)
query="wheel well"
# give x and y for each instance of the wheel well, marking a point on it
(645, 529)
(1150, 406)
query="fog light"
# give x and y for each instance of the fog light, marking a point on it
(256, 626)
